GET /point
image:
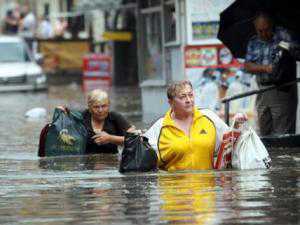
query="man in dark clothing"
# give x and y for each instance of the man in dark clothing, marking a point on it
(276, 108)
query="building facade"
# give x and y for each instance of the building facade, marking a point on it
(171, 37)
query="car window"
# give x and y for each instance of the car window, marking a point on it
(13, 52)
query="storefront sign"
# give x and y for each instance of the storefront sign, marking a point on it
(209, 56)
(97, 65)
(206, 56)
(203, 30)
(117, 36)
(203, 19)
(97, 72)
(66, 55)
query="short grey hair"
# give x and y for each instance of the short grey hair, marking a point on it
(177, 86)
(96, 96)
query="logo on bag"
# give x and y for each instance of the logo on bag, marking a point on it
(65, 138)
(267, 162)
(203, 131)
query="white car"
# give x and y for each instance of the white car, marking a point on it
(18, 70)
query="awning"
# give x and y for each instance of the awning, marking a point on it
(117, 36)
(87, 5)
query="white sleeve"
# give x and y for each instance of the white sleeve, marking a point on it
(153, 134)
(221, 126)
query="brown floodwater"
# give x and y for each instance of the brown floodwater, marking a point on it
(90, 190)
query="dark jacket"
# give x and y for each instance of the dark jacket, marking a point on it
(114, 124)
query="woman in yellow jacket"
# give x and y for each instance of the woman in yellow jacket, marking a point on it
(186, 137)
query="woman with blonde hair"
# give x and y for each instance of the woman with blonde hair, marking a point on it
(106, 129)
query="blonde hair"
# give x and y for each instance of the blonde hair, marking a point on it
(175, 87)
(96, 96)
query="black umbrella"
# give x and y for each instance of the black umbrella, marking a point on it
(236, 21)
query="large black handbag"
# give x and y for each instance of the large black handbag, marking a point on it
(137, 155)
(284, 67)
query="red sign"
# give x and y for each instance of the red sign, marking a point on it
(97, 72)
(97, 65)
(209, 56)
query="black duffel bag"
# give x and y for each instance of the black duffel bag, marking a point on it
(284, 67)
(137, 155)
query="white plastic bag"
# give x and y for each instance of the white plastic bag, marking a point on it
(249, 152)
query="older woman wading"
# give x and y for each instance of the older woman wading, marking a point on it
(186, 137)
(106, 129)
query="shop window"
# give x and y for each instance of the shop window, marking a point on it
(170, 18)
(152, 46)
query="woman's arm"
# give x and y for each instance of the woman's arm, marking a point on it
(105, 138)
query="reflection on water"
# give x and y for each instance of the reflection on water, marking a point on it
(90, 190)
(188, 198)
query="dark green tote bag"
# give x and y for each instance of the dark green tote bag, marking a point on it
(66, 134)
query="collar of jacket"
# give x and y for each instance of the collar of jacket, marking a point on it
(168, 121)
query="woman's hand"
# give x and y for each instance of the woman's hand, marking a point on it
(63, 108)
(102, 138)
(132, 129)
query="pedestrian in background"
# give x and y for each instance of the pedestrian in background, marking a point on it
(276, 108)
(44, 30)
(11, 23)
(28, 23)
(60, 27)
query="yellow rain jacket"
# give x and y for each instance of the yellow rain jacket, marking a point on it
(178, 151)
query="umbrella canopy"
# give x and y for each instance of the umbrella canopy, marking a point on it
(236, 21)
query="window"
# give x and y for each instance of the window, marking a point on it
(152, 46)
(15, 52)
(170, 18)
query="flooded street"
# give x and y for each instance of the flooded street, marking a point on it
(90, 190)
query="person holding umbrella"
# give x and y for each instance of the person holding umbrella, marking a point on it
(276, 108)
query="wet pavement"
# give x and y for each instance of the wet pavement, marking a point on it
(90, 190)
